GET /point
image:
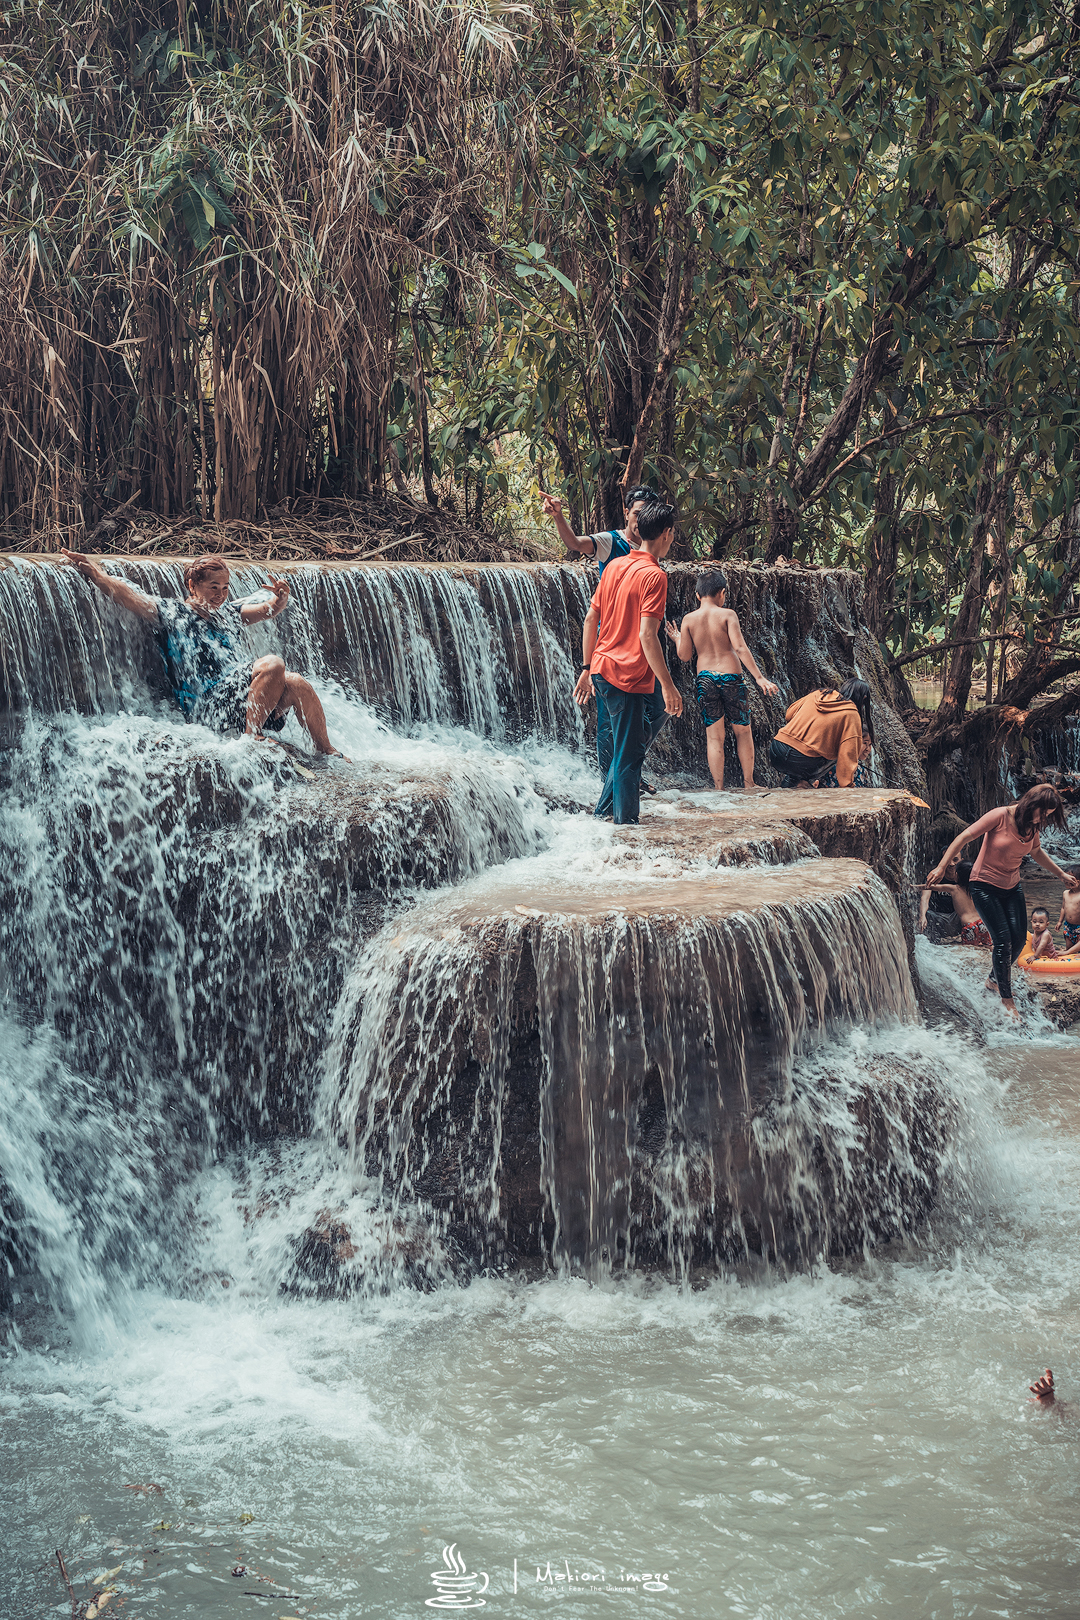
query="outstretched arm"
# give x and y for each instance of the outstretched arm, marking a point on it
(256, 612)
(924, 903)
(1048, 865)
(746, 657)
(683, 638)
(962, 839)
(576, 542)
(118, 590)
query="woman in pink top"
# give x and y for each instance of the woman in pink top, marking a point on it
(1008, 834)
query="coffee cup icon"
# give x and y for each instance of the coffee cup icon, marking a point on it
(457, 1589)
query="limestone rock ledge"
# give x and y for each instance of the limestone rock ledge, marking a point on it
(884, 827)
(599, 1079)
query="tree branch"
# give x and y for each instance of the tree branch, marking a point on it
(665, 361)
(945, 646)
(890, 433)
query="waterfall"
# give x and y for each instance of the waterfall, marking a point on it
(595, 1076)
(207, 954)
(291, 1049)
(490, 649)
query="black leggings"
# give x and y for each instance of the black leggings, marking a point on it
(793, 766)
(1005, 915)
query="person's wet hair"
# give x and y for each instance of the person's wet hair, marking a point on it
(654, 518)
(639, 492)
(711, 583)
(1044, 798)
(963, 873)
(198, 568)
(858, 692)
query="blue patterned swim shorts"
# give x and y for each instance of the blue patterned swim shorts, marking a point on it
(723, 697)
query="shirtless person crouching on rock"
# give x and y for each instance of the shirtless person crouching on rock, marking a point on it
(715, 634)
(201, 640)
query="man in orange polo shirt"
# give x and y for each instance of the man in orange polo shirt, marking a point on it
(627, 659)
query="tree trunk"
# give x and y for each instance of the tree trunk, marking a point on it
(885, 544)
(422, 420)
(966, 624)
(884, 549)
(783, 532)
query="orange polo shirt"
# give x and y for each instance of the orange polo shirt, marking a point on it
(630, 589)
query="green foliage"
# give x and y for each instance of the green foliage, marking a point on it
(880, 201)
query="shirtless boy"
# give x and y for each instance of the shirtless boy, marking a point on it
(1069, 919)
(714, 633)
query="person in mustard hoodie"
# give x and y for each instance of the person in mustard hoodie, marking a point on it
(824, 726)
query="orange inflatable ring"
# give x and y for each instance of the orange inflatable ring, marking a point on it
(1054, 967)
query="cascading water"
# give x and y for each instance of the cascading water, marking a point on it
(266, 1101)
(176, 910)
(591, 1072)
(490, 650)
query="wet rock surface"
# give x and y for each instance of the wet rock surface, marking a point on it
(333, 1259)
(885, 828)
(601, 1078)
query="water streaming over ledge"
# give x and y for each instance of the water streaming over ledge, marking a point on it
(186, 921)
(283, 1061)
(490, 649)
(594, 1075)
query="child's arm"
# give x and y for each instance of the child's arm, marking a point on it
(924, 898)
(746, 657)
(1061, 916)
(683, 638)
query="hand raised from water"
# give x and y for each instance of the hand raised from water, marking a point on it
(1043, 1388)
(280, 588)
(79, 560)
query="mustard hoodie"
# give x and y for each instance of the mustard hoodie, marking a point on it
(826, 726)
